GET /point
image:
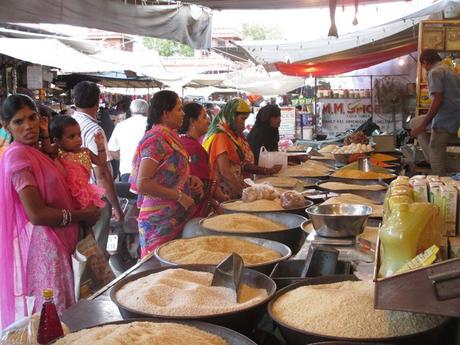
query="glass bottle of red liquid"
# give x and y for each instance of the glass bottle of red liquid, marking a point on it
(50, 327)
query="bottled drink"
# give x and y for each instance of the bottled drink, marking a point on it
(50, 327)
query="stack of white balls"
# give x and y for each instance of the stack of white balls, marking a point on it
(354, 148)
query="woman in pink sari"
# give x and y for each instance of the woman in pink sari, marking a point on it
(38, 223)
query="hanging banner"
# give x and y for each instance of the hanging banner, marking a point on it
(287, 127)
(340, 115)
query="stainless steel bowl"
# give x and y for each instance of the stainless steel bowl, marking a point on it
(340, 220)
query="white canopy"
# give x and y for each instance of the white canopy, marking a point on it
(266, 52)
(54, 53)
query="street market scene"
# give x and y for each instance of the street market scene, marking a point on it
(230, 172)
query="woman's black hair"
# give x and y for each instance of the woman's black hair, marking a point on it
(59, 124)
(192, 111)
(265, 114)
(162, 101)
(13, 104)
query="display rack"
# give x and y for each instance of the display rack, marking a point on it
(443, 36)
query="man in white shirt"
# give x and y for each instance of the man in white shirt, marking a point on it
(126, 136)
(86, 98)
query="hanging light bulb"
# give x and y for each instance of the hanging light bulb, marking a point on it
(401, 62)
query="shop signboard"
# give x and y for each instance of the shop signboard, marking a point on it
(34, 77)
(341, 115)
(287, 127)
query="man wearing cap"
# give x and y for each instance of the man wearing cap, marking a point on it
(444, 112)
(126, 136)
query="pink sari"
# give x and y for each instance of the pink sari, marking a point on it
(33, 257)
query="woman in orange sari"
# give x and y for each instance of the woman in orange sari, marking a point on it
(230, 156)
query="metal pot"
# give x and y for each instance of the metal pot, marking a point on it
(241, 321)
(376, 196)
(295, 336)
(264, 268)
(293, 236)
(230, 336)
(339, 220)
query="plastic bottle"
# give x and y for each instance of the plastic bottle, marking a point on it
(50, 327)
(400, 234)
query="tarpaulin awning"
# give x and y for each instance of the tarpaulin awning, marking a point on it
(329, 67)
(181, 22)
(280, 51)
(276, 4)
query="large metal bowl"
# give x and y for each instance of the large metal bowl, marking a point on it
(230, 336)
(264, 268)
(339, 220)
(293, 236)
(295, 336)
(377, 196)
(243, 320)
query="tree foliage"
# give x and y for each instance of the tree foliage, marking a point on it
(261, 32)
(168, 47)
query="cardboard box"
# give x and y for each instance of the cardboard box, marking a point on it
(449, 209)
(433, 178)
(420, 191)
(434, 195)
(444, 248)
(454, 247)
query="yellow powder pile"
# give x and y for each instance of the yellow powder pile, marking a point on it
(179, 292)
(358, 174)
(307, 169)
(383, 157)
(140, 333)
(346, 310)
(346, 198)
(262, 205)
(242, 222)
(350, 186)
(213, 249)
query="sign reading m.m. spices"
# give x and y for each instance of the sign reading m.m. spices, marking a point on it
(338, 116)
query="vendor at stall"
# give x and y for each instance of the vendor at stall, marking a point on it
(444, 112)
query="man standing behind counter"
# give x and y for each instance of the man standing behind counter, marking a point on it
(444, 112)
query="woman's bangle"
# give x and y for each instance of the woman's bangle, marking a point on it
(66, 218)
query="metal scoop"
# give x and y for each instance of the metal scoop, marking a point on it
(312, 152)
(228, 273)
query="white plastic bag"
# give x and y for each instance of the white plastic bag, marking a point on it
(23, 331)
(78, 266)
(269, 159)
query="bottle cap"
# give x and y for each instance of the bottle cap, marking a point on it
(47, 293)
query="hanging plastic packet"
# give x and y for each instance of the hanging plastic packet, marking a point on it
(23, 331)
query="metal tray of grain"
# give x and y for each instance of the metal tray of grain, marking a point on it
(434, 289)
(241, 321)
(376, 196)
(298, 210)
(293, 236)
(230, 336)
(265, 268)
(295, 336)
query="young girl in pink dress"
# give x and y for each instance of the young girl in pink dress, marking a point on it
(77, 160)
